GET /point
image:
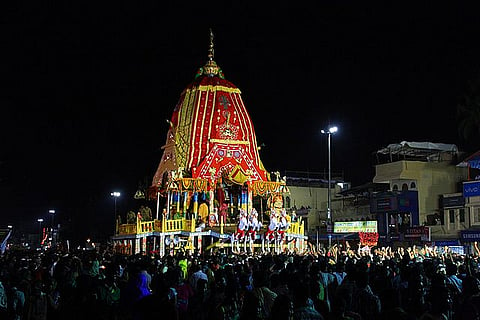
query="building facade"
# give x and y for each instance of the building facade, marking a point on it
(419, 192)
(430, 170)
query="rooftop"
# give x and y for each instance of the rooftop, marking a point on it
(417, 151)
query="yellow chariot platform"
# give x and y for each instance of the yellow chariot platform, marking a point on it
(168, 236)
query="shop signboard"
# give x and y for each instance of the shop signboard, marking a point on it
(457, 249)
(454, 249)
(385, 204)
(471, 189)
(446, 243)
(470, 235)
(421, 232)
(452, 202)
(354, 226)
(408, 202)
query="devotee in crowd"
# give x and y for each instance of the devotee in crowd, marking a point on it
(135, 290)
(341, 282)
(3, 301)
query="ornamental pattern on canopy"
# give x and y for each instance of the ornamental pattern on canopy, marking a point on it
(260, 188)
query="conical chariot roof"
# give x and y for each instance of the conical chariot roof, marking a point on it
(211, 134)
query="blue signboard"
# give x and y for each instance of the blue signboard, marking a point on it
(457, 249)
(446, 243)
(384, 204)
(470, 235)
(408, 202)
(471, 189)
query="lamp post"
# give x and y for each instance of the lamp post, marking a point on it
(54, 233)
(52, 212)
(40, 220)
(115, 195)
(329, 133)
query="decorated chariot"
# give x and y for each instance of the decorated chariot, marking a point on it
(211, 189)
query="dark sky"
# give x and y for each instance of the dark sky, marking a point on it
(86, 89)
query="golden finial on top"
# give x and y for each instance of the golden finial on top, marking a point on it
(210, 68)
(211, 51)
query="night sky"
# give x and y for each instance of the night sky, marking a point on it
(87, 88)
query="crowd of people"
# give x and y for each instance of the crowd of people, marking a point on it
(342, 282)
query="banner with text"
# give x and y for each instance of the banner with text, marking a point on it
(354, 226)
(421, 232)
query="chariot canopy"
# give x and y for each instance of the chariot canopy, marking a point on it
(211, 138)
(210, 180)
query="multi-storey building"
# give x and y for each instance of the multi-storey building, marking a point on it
(420, 193)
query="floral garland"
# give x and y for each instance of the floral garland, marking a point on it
(263, 188)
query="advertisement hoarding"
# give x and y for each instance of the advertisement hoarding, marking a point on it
(354, 226)
(421, 232)
(471, 189)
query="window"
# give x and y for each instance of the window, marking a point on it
(413, 185)
(451, 216)
(476, 215)
(462, 215)
(287, 200)
(404, 187)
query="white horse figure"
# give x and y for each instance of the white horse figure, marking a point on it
(283, 224)
(242, 225)
(272, 226)
(253, 224)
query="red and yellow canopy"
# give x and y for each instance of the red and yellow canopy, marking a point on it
(211, 134)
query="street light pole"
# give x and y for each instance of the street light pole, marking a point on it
(115, 195)
(329, 133)
(52, 212)
(40, 220)
(54, 233)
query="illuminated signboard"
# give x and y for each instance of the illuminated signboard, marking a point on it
(354, 226)
(470, 235)
(385, 204)
(471, 189)
(421, 232)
